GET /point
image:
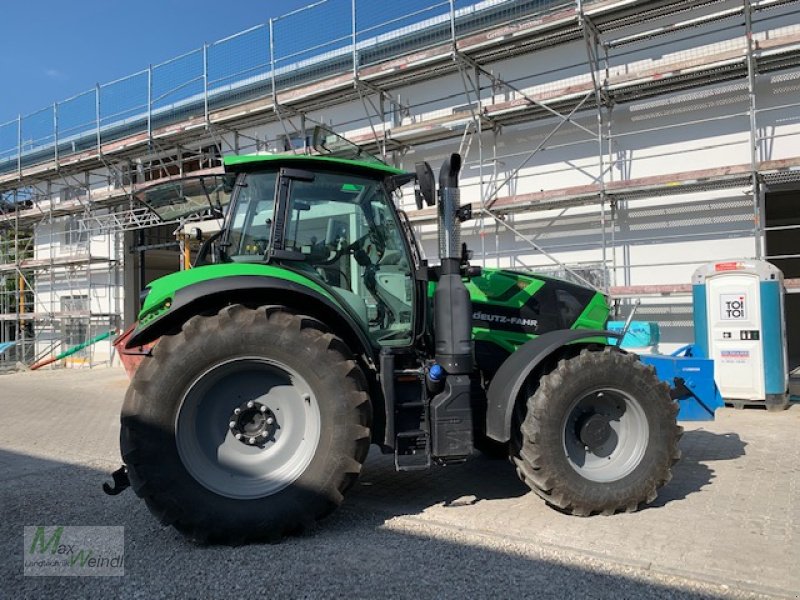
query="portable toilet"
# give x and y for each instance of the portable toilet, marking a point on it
(739, 322)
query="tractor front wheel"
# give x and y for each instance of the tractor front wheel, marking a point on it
(246, 425)
(598, 434)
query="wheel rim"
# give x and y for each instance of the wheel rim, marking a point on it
(207, 427)
(605, 435)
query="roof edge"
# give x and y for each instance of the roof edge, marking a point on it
(244, 160)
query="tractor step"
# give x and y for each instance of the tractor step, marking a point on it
(410, 405)
(412, 451)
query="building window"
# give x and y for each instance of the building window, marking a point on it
(74, 231)
(74, 326)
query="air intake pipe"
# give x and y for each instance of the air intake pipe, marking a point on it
(452, 306)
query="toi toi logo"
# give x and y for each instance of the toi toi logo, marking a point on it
(733, 307)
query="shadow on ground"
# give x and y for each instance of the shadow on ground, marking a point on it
(481, 479)
(351, 555)
(690, 474)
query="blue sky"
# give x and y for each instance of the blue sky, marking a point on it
(53, 49)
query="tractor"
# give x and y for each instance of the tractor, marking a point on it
(312, 326)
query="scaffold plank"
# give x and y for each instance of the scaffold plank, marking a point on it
(30, 264)
(677, 289)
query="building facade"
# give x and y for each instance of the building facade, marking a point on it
(620, 144)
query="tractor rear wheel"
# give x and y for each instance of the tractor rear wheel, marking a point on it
(246, 425)
(597, 435)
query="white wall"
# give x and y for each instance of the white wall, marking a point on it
(95, 276)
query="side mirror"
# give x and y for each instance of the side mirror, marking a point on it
(425, 189)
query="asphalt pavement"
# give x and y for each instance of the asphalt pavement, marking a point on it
(727, 525)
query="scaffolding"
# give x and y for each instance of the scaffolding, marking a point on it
(82, 160)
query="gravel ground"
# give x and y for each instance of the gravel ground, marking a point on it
(728, 525)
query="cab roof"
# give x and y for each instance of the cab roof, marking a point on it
(244, 162)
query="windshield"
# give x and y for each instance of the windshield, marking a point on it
(205, 196)
(341, 230)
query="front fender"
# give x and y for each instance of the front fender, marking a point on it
(210, 295)
(510, 377)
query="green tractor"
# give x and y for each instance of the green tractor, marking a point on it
(312, 327)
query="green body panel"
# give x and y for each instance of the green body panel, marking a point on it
(594, 315)
(382, 170)
(510, 291)
(162, 291)
(496, 287)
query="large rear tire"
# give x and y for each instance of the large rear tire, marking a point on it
(598, 434)
(246, 425)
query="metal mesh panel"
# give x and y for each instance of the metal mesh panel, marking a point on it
(8, 146)
(472, 17)
(38, 135)
(177, 88)
(312, 43)
(385, 30)
(77, 123)
(238, 67)
(123, 107)
(449, 225)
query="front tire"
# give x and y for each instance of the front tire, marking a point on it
(246, 425)
(598, 434)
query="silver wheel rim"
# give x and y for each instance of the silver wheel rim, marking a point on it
(622, 445)
(229, 466)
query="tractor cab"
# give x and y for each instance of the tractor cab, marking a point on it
(338, 228)
(330, 218)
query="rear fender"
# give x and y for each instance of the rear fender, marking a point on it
(209, 296)
(507, 383)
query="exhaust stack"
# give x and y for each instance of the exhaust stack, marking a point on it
(451, 409)
(452, 306)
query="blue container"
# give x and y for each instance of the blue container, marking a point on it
(639, 334)
(692, 381)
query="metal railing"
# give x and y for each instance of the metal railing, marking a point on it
(324, 39)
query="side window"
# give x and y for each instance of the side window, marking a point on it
(252, 219)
